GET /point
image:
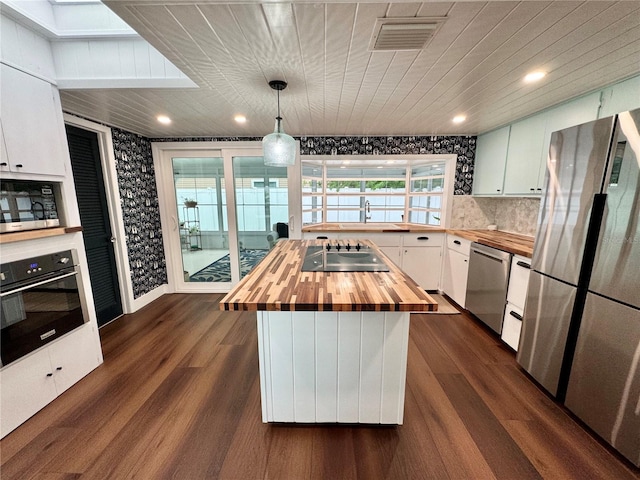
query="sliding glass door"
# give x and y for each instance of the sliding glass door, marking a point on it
(262, 210)
(201, 211)
(222, 210)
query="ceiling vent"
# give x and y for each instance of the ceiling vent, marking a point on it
(412, 33)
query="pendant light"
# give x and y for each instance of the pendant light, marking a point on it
(279, 149)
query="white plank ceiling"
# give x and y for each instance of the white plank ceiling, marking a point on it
(473, 66)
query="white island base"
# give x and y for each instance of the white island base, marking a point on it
(333, 367)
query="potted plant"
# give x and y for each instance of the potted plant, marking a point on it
(190, 202)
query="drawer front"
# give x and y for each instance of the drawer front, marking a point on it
(519, 281)
(458, 244)
(511, 326)
(423, 239)
(380, 239)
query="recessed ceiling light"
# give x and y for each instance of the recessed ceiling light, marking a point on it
(459, 119)
(534, 76)
(240, 119)
(163, 119)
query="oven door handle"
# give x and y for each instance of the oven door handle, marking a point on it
(37, 284)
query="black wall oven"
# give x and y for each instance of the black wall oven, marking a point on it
(40, 301)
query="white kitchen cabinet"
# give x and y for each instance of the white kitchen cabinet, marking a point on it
(525, 156)
(516, 297)
(456, 269)
(620, 97)
(32, 382)
(423, 265)
(27, 387)
(32, 125)
(511, 326)
(421, 256)
(490, 161)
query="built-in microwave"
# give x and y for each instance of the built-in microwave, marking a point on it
(28, 205)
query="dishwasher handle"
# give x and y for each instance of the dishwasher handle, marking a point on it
(484, 254)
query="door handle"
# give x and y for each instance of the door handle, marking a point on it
(112, 239)
(488, 256)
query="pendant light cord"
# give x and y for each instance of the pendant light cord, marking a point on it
(279, 117)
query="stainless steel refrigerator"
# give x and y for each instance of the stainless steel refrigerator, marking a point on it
(581, 329)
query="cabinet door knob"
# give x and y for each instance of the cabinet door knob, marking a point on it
(49, 374)
(497, 190)
(59, 368)
(523, 264)
(515, 315)
(539, 189)
(3, 164)
(457, 242)
(423, 238)
(532, 189)
(18, 165)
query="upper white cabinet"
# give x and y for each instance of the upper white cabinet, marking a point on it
(620, 97)
(491, 157)
(524, 156)
(512, 159)
(32, 125)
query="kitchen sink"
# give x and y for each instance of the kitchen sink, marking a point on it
(356, 259)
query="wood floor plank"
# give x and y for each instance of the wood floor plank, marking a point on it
(29, 463)
(178, 397)
(500, 451)
(461, 455)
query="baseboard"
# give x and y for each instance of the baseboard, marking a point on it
(149, 297)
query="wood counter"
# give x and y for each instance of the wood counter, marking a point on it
(509, 242)
(278, 284)
(40, 233)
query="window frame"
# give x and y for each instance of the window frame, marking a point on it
(369, 161)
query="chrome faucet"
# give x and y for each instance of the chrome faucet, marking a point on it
(367, 211)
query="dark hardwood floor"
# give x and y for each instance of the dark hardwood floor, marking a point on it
(178, 397)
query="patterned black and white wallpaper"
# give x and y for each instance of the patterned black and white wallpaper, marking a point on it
(139, 196)
(140, 210)
(463, 146)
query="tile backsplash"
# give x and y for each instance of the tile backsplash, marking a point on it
(516, 215)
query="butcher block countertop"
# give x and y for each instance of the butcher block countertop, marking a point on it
(40, 233)
(509, 242)
(371, 227)
(277, 283)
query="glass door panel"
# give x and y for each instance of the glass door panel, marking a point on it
(202, 218)
(262, 208)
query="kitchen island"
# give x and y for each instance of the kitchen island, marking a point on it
(332, 345)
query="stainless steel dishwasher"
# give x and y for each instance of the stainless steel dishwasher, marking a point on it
(487, 284)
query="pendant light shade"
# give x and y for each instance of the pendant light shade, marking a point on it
(278, 148)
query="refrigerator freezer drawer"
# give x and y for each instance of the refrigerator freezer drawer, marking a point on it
(604, 386)
(544, 329)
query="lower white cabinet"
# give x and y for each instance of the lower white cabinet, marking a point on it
(511, 326)
(423, 265)
(516, 297)
(456, 269)
(31, 383)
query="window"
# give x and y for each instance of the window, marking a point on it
(382, 190)
(260, 184)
